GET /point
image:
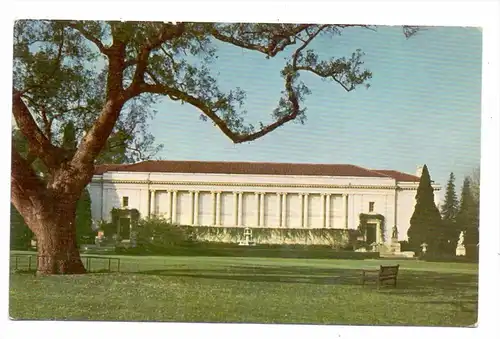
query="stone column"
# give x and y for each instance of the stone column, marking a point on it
(278, 209)
(283, 210)
(396, 208)
(378, 235)
(235, 208)
(323, 214)
(301, 197)
(344, 209)
(218, 209)
(169, 205)
(174, 206)
(262, 209)
(328, 211)
(257, 209)
(153, 202)
(306, 210)
(191, 205)
(196, 207)
(214, 209)
(240, 208)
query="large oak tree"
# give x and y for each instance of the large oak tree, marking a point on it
(95, 73)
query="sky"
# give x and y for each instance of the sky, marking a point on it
(423, 107)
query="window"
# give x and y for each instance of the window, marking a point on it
(125, 201)
(371, 206)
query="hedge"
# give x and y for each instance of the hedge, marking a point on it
(261, 251)
(336, 238)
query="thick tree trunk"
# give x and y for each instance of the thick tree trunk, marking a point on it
(58, 251)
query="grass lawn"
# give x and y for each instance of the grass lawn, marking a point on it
(253, 290)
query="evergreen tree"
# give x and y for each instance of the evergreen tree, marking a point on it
(425, 223)
(20, 234)
(449, 212)
(84, 232)
(468, 217)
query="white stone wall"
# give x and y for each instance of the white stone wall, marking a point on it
(96, 197)
(256, 200)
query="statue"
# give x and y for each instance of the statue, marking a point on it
(424, 248)
(460, 250)
(461, 239)
(395, 232)
(395, 246)
(248, 238)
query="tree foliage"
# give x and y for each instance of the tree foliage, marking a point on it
(450, 206)
(449, 211)
(425, 223)
(62, 79)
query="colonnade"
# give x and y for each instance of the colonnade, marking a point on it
(259, 198)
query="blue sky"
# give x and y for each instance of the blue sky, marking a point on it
(423, 106)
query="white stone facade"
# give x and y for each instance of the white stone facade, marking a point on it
(257, 200)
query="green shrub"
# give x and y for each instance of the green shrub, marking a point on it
(405, 246)
(84, 232)
(333, 238)
(157, 234)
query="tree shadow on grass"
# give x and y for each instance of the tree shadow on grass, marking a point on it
(467, 305)
(417, 283)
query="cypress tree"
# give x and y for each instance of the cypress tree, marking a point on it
(449, 212)
(425, 223)
(84, 231)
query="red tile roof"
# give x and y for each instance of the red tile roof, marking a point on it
(100, 169)
(399, 176)
(220, 167)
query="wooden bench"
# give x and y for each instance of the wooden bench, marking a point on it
(383, 274)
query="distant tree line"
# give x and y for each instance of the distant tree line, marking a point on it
(440, 229)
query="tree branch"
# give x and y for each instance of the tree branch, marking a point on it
(47, 124)
(75, 25)
(325, 75)
(26, 188)
(273, 47)
(168, 32)
(209, 111)
(37, 141)
(96, 137)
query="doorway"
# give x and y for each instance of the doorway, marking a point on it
(371, 233)
(124, 230)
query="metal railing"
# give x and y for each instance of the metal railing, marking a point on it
(29, 262)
